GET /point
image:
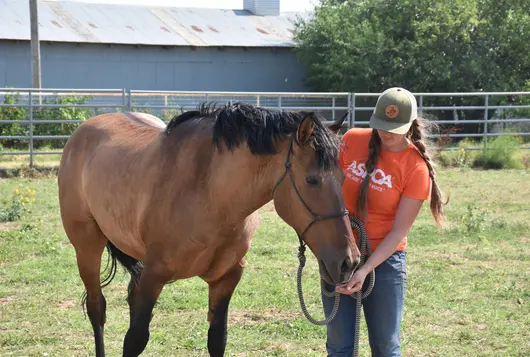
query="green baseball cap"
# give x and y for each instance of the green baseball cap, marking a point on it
(395, 110)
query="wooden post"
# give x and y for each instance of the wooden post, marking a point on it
(35, 45)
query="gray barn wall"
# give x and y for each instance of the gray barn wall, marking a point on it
(93, 66)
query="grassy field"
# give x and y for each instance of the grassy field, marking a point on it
(468, 285)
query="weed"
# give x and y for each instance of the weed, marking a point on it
(474, 220)
(21, 200)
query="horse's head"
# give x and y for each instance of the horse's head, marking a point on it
(308, 196)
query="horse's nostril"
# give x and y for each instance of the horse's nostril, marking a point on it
(357, 263)
(346, 266)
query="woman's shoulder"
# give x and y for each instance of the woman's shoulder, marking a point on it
(357, 136)
(414, 163)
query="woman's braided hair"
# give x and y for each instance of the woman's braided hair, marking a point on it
(418, 135)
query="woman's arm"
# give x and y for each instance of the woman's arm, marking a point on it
(406, 214)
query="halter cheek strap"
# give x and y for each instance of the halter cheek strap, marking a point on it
(316, 217)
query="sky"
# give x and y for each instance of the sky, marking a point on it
(285, 5)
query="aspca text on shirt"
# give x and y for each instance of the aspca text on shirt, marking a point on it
(379, 180)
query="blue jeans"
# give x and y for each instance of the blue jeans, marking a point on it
(382, 308)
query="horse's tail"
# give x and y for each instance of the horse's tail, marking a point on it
(133, 266)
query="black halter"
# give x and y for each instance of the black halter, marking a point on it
(316, 217)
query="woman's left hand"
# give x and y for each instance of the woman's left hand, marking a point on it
(355, 284)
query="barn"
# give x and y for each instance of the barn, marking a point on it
(109, 46)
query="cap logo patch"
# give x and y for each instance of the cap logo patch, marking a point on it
(392, 111)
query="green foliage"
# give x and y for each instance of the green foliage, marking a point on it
(502, 152)
(17, 206)
(462, 157)
(422, 45)
(12, 113)
(68, 112)
(474, 220)
(447, 45)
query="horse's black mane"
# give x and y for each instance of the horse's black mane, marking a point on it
(261, 128)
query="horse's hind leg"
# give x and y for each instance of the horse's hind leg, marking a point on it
(152, 280)
(134, 267)
(132, 293)
(220, 294)
(89, 243)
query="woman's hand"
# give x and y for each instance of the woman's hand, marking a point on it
(355, 284)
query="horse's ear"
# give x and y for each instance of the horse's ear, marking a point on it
(335, 126)
(305, 129)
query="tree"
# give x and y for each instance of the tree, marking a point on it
(423, 45)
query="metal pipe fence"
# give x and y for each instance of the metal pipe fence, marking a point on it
(29, 117)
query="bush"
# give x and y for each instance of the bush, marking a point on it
(13, 113)
(42, 113)
(502, 152)
(462, 157)
(66, 113)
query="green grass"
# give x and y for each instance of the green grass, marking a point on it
(468, 286)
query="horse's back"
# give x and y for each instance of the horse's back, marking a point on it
(109, 134)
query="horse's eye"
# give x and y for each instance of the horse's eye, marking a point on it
(312, 181)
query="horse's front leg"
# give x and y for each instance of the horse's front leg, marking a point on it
(220, 293)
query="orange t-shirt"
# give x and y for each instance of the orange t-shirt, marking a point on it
(397, 174)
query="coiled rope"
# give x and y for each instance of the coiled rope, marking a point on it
(364, 248)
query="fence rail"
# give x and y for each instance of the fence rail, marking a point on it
(491, 112)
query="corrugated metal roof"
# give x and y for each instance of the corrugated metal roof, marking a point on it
(63, 21)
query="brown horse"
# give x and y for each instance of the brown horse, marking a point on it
(178, 201)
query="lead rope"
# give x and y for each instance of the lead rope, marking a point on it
(364, 248)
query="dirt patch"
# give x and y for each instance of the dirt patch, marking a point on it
(6, 300)
(525, 240)
(66, 305)
(258, 317)
(6, 226)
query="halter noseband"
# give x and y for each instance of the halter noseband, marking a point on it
(316, 217)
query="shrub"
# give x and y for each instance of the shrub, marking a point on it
(15, 129)
(64, 113)
(462, 157)
(42, 113)
(502, 152)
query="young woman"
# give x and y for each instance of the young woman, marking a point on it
(389, 174)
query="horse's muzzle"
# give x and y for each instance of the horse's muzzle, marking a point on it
(335, 273)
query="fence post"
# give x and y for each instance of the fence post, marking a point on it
(349, 110)
(124, 99)
(421, 103)
(352, 117)
(279, 102)
(30, 99)
(129, 100)
(485, 137)
(333, 110)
